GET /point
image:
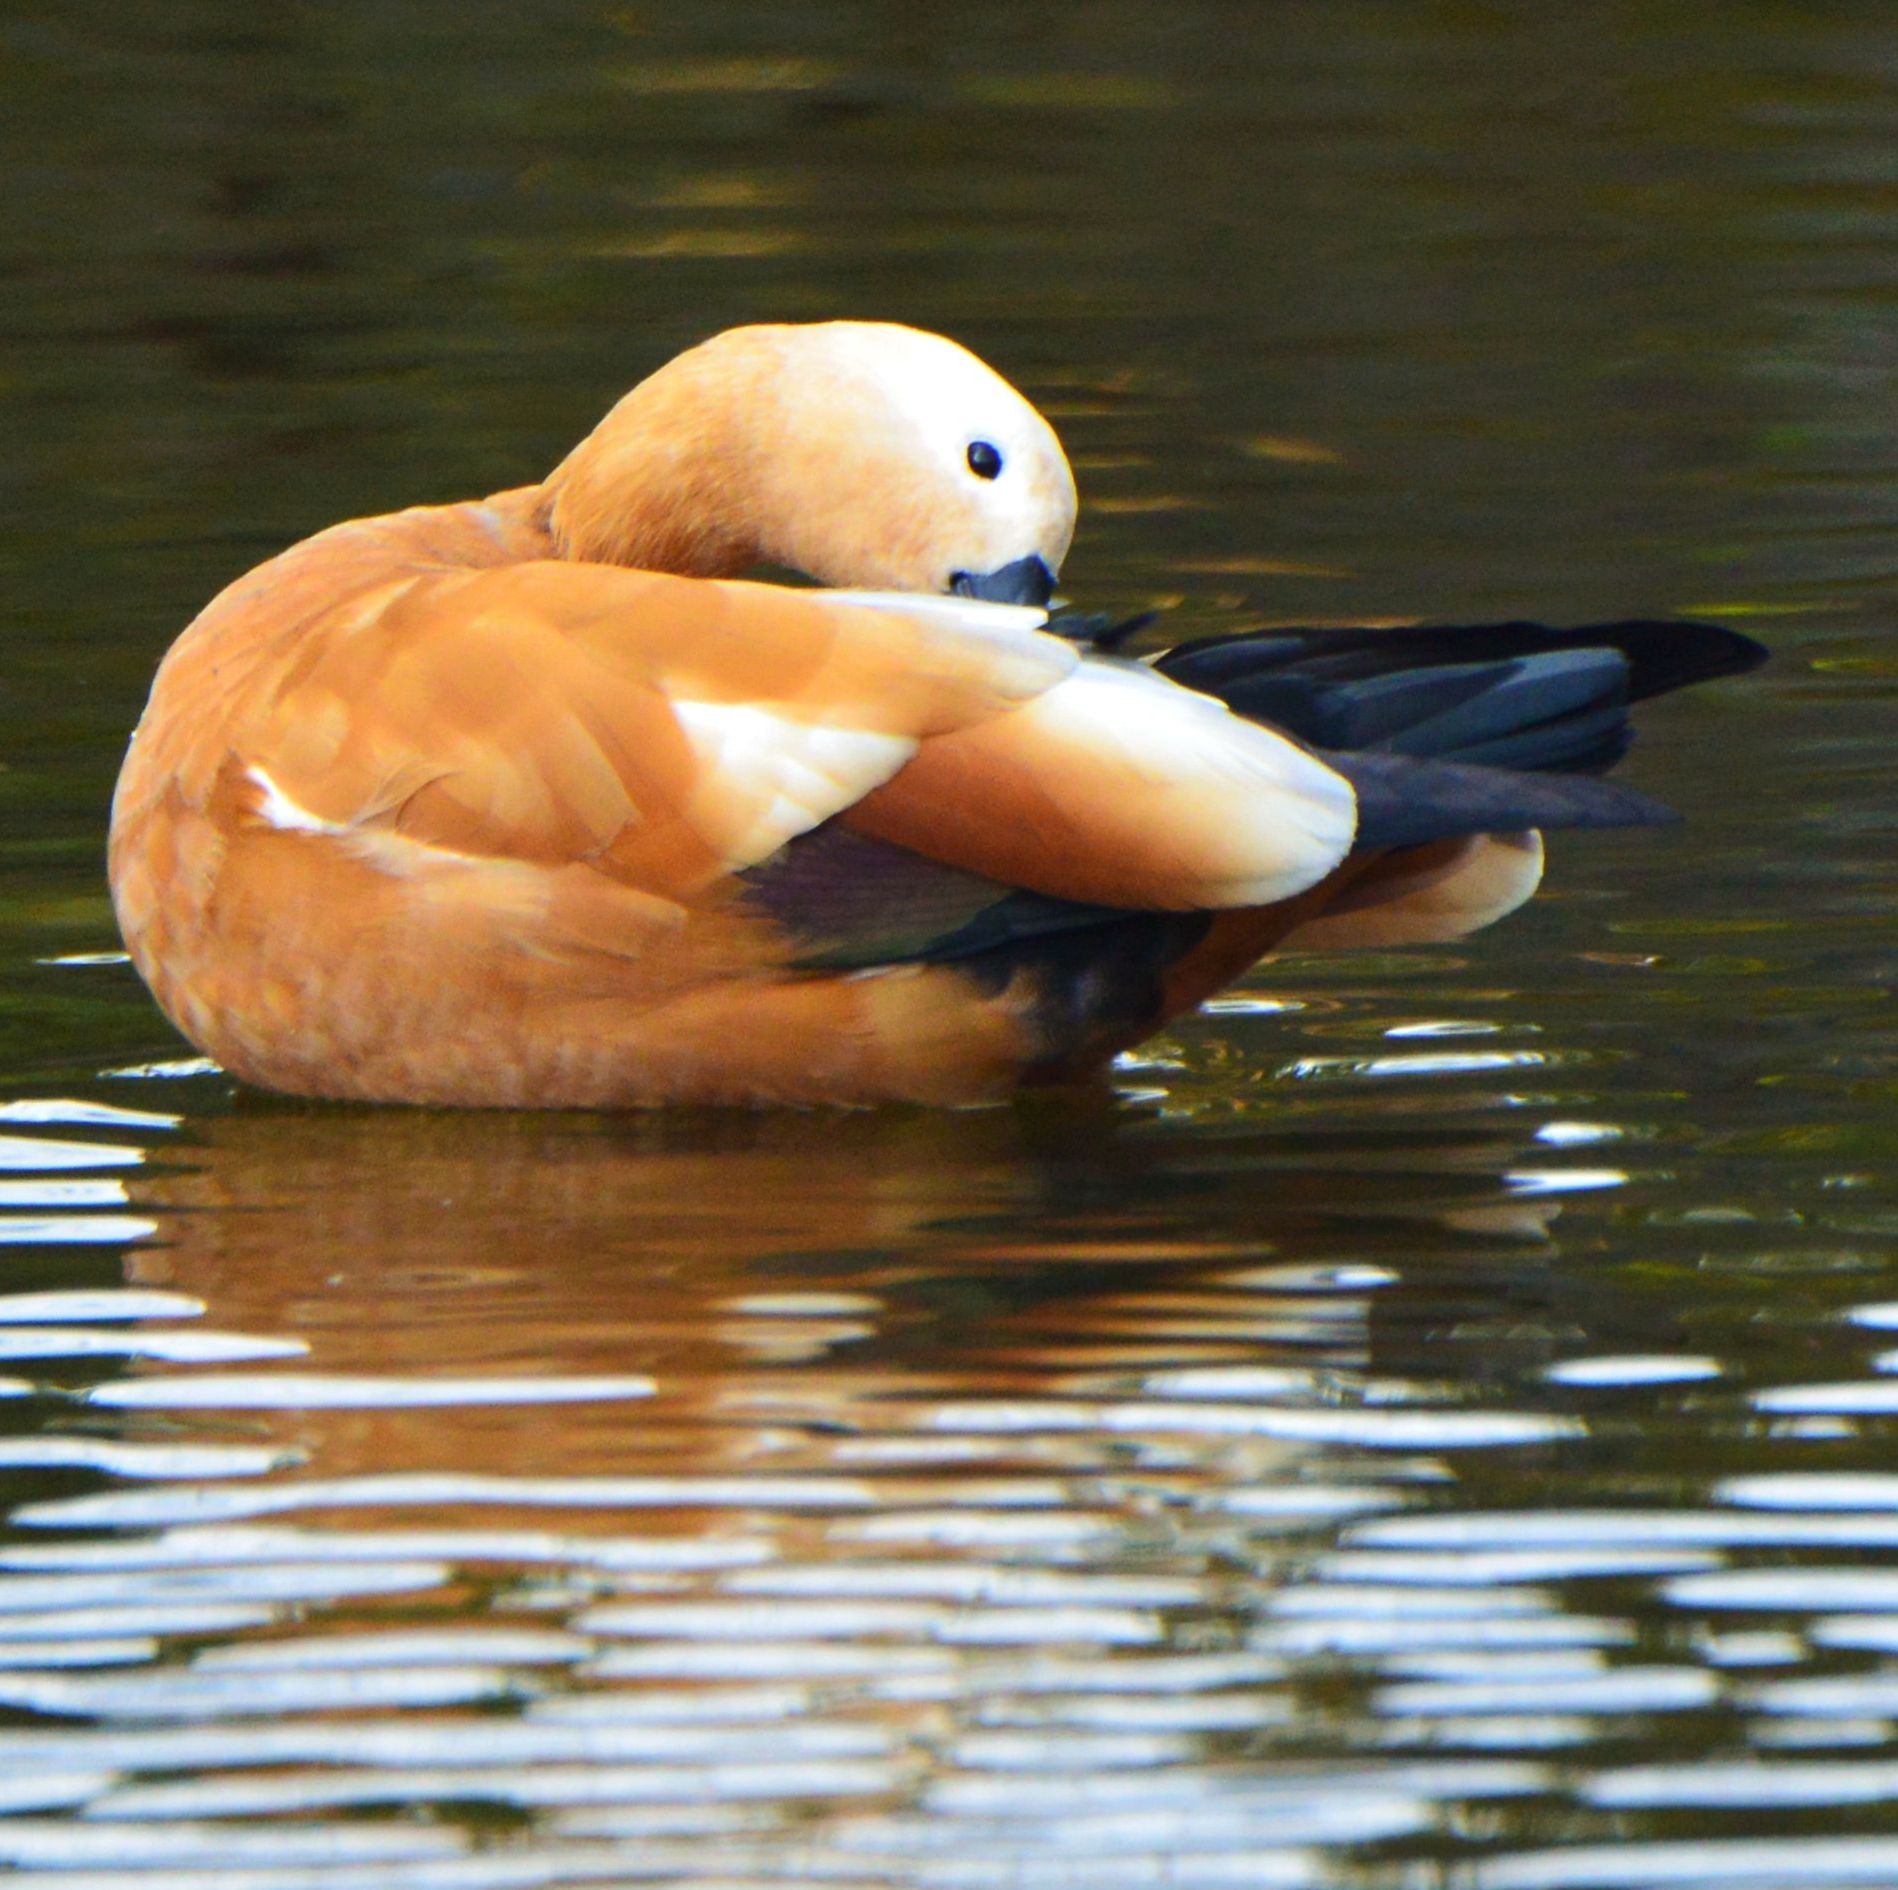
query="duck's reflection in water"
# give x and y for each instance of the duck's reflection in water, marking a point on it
(867, 1257)
(941, 1472)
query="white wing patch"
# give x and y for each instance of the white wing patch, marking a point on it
(1021, 659)
(1243, 816)
(278, 810)
(973, 614)
(765, 777)
(376, 844)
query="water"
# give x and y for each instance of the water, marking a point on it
(1429, 1429)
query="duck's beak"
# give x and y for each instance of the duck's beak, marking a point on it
(1027, 581)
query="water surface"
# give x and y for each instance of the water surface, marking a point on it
(1430, 1425)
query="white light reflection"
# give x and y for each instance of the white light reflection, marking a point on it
(1805, 1861)
(90, 1115)
(1851, 1398)
(173, 1694)
(1420, 1063)
(216, 1546)
(19, 1153)
(67, 1846)
(80, 1304)
(337, 1391)
(66, 1451)
(1640, 1368)
(192, 1346)
(76, 1230)
(62, 1194)
(1620, 1690)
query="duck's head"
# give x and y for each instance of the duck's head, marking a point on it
(865, 454)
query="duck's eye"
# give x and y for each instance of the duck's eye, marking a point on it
(984, 461)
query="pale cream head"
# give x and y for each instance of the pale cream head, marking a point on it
(862, 453)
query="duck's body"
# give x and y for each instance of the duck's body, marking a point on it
(524, 802)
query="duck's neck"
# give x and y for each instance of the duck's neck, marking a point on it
(666, 481)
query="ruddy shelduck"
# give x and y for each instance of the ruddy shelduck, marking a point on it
(534, 801)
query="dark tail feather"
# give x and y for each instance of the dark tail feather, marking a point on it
(1661, 655)
(1567, 710)
(1407, 802)
(1478, 729)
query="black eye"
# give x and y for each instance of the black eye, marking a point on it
(984, 461)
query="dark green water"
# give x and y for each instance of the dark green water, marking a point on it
(1434, 1428)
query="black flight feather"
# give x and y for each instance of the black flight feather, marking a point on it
(1406, 802)
(1661, 655)
(1452, 730)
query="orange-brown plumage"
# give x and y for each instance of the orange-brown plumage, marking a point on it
(528, 801)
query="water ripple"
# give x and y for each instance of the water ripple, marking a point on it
(20, 1152)
(73, 1230)
(170, 1694)
(159, 1461)
(1705, 1862)
(92, 1115)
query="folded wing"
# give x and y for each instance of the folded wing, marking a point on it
(672, 735)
